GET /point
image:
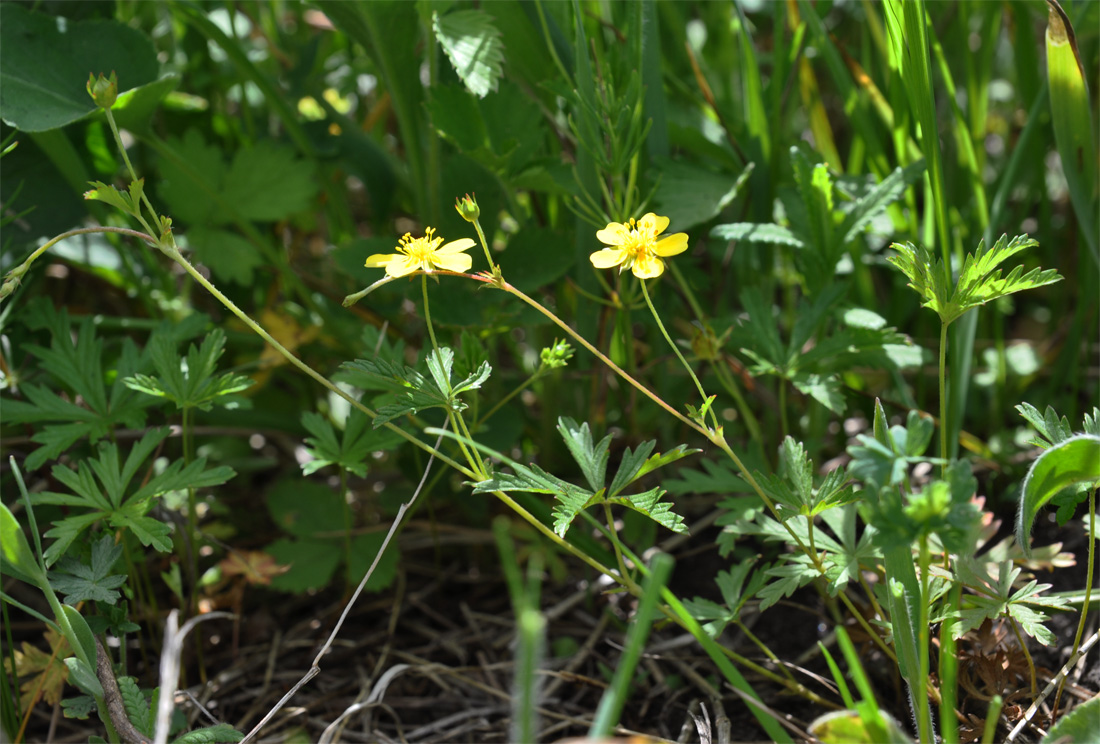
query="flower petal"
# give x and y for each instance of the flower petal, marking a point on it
(614, 234)
(459, 262)
(379, 260)
(456, 246)
(651, 222)
(648, 267)
(401, 266)
(671, 245)
(607, 258)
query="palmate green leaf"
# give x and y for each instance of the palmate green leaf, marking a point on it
(980, 281)
(351, 450)
(78, 581)
(191, 384)
(825, 389)
(792, 489)
(649, 503)
(472, 43)
(787, 578)
(1054, 430)
(128, 201)
(1073, 461)
(78, 368)
(106, 494)
(592, 458)
(413, 391)
(717, 478)
(995, 598)
(735, 594)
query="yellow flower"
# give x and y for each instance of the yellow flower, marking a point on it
(635, 246)
(425, 254)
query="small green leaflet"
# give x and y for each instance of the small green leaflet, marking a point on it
(979, 282)
(191, 384)
(592, 459)
(734, 596)
(351, 450)
(413, 391)
(473, 45)
(793, 490)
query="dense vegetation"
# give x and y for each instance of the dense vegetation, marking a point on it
(720, 370)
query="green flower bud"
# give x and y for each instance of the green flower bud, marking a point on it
(104, 91)
(467, 207)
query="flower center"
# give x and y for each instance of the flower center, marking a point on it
(419, 249)
(639, 242)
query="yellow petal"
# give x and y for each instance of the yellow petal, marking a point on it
(671, 245)
(459, 262)
(380, 259)
(648, 267)
(614, 234)
(401, 266)
(607, 258)
(456, 246)
(652, 222)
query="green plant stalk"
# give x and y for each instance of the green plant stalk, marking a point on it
(613, 536)
(611, 704)
(530, 650)
(516, 391)
(1027, 655)
(676, 350)
(765, 650)
(904, 591)
(943, 398)
(949, 668)
(992, 715)
(924, 632)
(729, 384)
(484, 245)
(1088, 595)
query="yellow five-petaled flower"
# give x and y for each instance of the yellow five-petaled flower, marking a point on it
(635, 246)
(425, 254)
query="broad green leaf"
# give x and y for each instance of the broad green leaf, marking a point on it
(306, 509)
(472, 43)
(79, 581)
(1075, 460)
(84, 637)
(690, 195)
(222, 733)
(268, 182)
(825, 389)
(1071, 115)
(858, 727)
(312, 563)
(1079, 725)
(869, 206)
(18, 558)
(46, 61)
(363, 550)
(83, 676)
(351, 450)
(758, 233)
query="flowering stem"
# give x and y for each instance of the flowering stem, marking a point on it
(16, 274)
(485, 246)
(676, 349)
(427, 311)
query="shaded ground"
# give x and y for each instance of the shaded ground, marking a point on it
(434, 655)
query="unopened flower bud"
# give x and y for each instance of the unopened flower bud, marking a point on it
(467, 207)
(103, 90)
